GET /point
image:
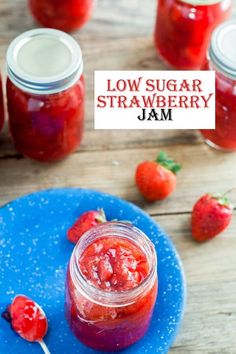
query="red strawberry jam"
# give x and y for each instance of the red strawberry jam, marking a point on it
(27, 318)
(66, 15)
(46, 127)
(45, 94)
(114, 264)
(184, 27)
(111, 286)
(224, 136)
(222, 59)
(1, 106)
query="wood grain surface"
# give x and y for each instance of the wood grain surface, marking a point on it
(119, 36)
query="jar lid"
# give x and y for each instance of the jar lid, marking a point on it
(223, 50)
(44, 61)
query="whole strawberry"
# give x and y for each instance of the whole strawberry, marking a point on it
(210, 216)
(157, 179)
(85, 222)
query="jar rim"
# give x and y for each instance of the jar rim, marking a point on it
(114, 298)
(201, 2)
(220, 51)
(56, 82)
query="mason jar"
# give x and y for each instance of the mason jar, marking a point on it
(111, 286)
(65, 15)
(45, 94)
(222, 59)
(183, 30)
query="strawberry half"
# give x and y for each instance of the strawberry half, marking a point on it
(210, 216)
(27, 318)
(85, 222)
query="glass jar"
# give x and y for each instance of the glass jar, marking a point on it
(103, 309)
(65, 15)
(222, 59)
(183, 30)
(45, 93)
(2, 113)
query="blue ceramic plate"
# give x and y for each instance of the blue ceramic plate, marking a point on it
(34, 253)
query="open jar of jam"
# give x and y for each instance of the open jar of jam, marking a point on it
(45, 92)
(65, 15)
(2, 114)
(183, 30)
(111, 286)
(222, 59)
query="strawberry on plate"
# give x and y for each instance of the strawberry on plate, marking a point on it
(85, 222)
(211, 215)
(27, 319)
(156, 180)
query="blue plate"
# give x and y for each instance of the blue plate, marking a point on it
(34, 253)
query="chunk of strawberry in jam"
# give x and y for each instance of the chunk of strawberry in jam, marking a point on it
(105, 269)
(114, 264)
(27, 318)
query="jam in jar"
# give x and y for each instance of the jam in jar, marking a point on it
(65, 15)
(183, 30)
(222, 59)
(111, 286)
(1, 105)
(45, 92)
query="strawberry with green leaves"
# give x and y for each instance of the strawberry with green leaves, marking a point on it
(156, 180)
(211, 215)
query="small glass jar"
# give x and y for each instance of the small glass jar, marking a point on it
(65, 15)
(222, 59)
(45, 93)
(183, 30)
(110, 320)
(2, 113)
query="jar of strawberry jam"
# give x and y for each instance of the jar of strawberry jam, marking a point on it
(222, 59)
(1, 105)
(111, 286)
(183, 30)
(45, 92)
(65, 15)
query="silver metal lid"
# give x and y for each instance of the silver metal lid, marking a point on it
(44, 61)
(222, 50)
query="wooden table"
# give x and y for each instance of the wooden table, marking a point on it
(120, 37)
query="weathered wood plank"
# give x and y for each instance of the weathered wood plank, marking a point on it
(204, 170)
